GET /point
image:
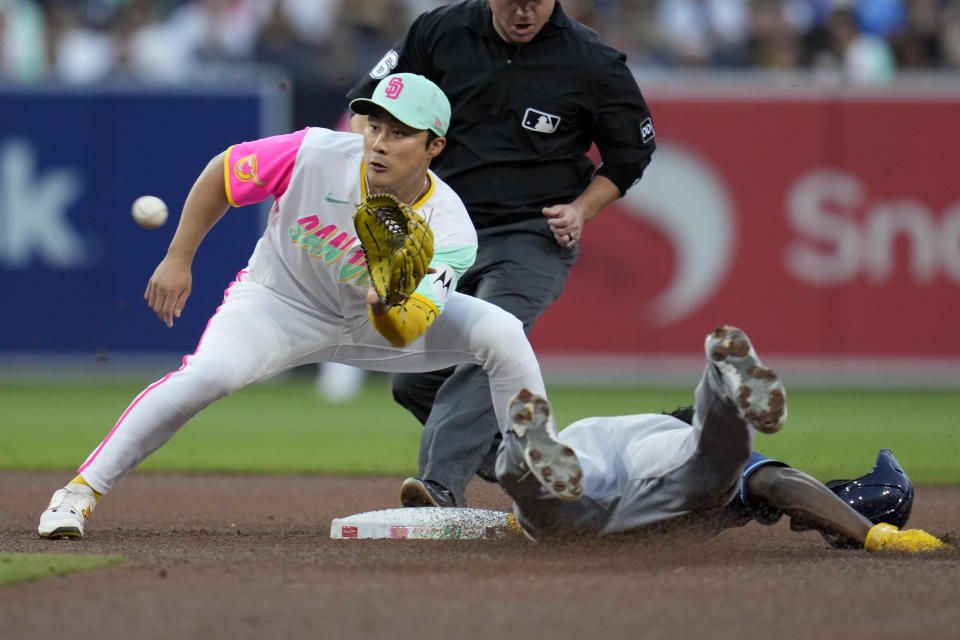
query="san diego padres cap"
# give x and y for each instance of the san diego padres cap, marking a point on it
(411, 99)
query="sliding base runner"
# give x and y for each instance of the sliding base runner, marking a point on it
(426, 523)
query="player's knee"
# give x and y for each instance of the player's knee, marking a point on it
(214, 380)
(498, 332)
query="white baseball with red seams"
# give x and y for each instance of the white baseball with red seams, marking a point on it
(150, 212)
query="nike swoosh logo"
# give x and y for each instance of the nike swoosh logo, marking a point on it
(330, 198)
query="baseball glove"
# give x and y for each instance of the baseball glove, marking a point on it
(397, 244)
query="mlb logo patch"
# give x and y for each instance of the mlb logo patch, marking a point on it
(540, 121)
(646, 130)
(348, 532)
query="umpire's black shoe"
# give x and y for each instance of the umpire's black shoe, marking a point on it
(415, 492)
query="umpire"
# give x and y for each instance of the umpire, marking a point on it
(531, 90)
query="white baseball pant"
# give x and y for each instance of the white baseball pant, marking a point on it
(256, 334)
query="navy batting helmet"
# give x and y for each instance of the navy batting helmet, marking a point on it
(883, 495)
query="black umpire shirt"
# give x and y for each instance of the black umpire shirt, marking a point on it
(524, 116)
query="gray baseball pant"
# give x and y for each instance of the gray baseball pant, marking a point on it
(702, 478)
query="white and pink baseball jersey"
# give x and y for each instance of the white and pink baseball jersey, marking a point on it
(309, 251)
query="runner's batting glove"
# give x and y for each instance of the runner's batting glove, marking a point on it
(886, 537)
(397, 244)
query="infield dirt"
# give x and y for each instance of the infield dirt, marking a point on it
(214, 556)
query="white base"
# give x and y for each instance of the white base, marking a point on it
(423, 523)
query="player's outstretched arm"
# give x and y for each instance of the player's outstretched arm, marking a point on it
(807, 501)
(169, 286)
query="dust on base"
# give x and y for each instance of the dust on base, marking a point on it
(426, 523)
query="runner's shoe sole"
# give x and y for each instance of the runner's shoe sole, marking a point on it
(552, 463)
(756, 391)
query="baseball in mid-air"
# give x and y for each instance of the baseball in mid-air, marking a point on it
(150, 212)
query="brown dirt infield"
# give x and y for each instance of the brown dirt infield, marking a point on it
(213, 556)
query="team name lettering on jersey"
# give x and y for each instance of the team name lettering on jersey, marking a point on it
(355, 267)
(329, 243)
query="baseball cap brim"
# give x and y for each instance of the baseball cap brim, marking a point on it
(419, 104)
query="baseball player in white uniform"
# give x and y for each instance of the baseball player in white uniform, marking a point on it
(304, 295)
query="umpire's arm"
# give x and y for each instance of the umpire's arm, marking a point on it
(566, 220)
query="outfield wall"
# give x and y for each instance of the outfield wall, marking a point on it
(824, 221)
(73, 263)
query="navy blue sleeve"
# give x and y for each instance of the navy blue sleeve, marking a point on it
(741, 509)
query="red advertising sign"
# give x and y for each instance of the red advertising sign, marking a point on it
(828, 226)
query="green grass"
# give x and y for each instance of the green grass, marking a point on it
(277, 427)
(20, 567)
(283, 427)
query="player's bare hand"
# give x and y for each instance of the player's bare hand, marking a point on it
(377, 307)
(168, 289)
(566, 223)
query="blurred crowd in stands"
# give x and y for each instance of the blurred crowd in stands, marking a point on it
(330, 43)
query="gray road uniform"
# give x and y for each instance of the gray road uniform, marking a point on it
(524, 118)
(694, 469)
(638, 470)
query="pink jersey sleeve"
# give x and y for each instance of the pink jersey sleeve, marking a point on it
(254, 171)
